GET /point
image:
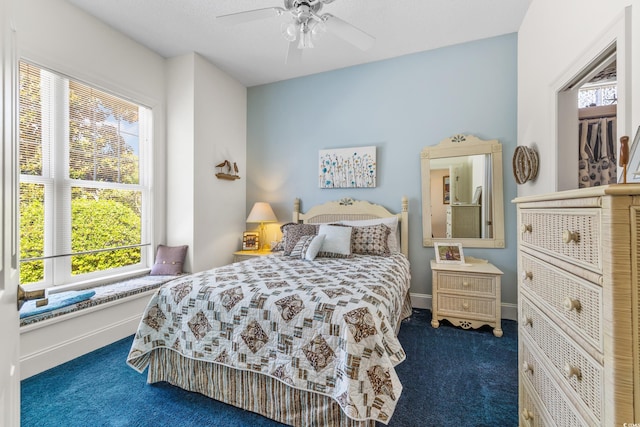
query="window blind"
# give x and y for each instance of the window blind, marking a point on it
(83, 187)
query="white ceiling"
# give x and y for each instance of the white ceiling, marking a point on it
(254, 52)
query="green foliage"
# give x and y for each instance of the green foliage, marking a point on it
(99, 224)
(31, 232)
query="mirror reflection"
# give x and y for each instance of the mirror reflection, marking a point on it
(462, 192)
(462, 181)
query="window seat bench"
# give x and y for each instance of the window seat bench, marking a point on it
(53, 337)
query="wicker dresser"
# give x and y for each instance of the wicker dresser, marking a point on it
(578, 307)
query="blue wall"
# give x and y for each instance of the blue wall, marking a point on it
(399, 105)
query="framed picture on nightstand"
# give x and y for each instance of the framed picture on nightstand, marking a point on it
(250, 241)
(449, 253)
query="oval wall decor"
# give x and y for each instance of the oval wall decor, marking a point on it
(525, 164)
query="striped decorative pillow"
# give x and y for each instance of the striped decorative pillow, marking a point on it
(300, 249)
(291, 234)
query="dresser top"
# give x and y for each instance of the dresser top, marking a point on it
(603, 190)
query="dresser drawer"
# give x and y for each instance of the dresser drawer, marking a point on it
(570, 234)
(460, 306)
(531, 412)
(570, 364)
(574, 300)
(469, 284)
(533, 375)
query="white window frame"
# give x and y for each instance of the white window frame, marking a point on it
(57, 190)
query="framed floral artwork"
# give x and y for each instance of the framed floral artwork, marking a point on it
(347, 168)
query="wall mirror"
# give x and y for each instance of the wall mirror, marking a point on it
(462, 193)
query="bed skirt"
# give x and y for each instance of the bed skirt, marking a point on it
(251, 391)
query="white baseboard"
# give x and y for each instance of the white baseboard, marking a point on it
(54, 341)
(508, 311)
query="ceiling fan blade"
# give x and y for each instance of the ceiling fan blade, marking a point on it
(348, 32)
(250, 15)
(294, 55)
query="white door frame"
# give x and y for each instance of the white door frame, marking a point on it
(9, 253)
(564, 102)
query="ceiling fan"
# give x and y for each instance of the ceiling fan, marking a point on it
(306, 24)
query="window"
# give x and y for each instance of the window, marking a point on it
(594, 95)
(84, 182)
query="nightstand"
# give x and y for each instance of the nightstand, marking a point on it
(467, 295)
(245, 255)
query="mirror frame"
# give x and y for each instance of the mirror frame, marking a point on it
(456, 146)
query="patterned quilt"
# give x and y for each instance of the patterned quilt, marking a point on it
(325, 326)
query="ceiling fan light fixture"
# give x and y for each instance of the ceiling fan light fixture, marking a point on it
(305, 41)
(289, 31)
(318, 30)
(307, 25)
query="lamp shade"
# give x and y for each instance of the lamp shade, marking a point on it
(262, 212)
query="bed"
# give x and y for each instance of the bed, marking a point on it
(305, 336)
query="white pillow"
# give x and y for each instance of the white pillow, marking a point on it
(314, 247)
(391, 222)
(337, 240)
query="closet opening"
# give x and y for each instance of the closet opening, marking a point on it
(587, 125)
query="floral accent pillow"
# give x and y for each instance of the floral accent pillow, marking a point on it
(371, 240)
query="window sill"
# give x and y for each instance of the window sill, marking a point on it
(106, 295)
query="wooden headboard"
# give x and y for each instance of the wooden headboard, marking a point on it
(349, 209)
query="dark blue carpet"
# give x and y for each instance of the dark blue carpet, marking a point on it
(452, 377)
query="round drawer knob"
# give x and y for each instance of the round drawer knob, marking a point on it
(465, 305)
(527, 275)
(526, 320)
(526, 228)
(465, 284)
(527, 367)
(571, 304)
(572, 371)
(527, 414)
(569, 236)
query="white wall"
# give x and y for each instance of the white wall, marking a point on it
(180, 152)
(221, 134)
(557, 39)
(56, 35)
(206, 112)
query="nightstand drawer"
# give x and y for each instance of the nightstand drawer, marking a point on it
(468, 284)
(460, 306)
(572, 234)
(578, 302)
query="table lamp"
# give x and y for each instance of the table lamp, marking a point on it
(261, 213)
